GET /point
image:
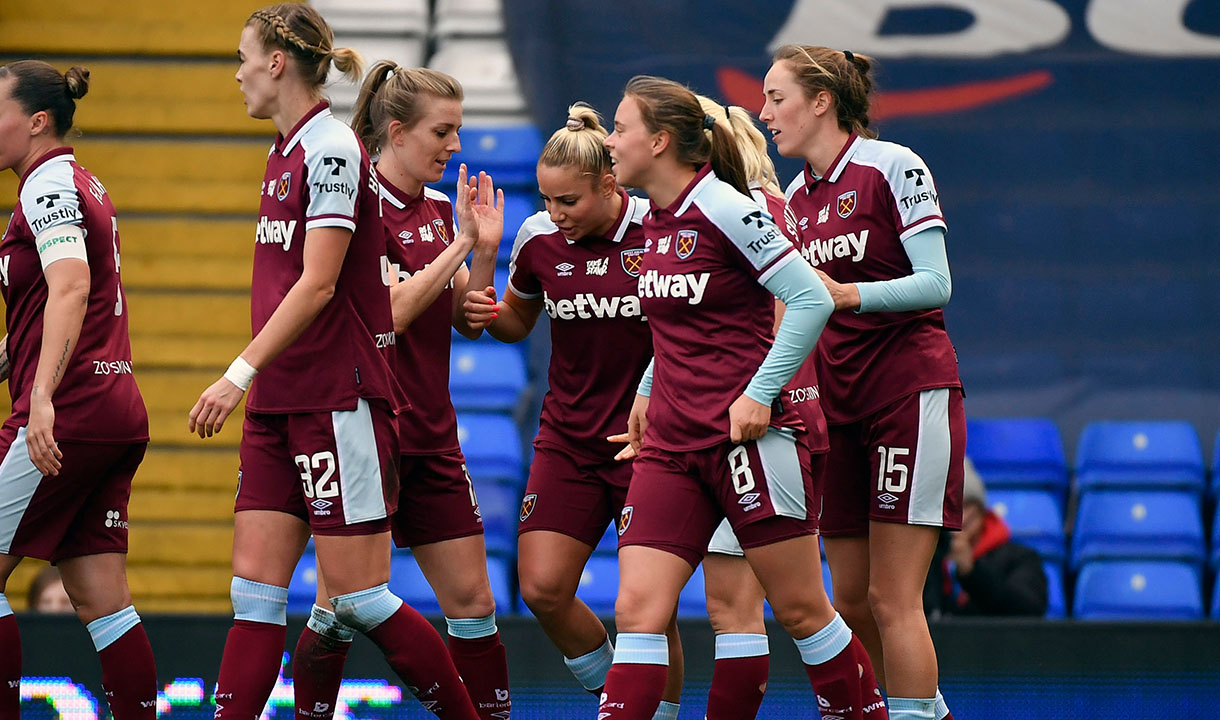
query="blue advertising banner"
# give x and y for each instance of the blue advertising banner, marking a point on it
(1074, 143)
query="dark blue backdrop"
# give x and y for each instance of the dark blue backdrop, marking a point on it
(1078, 180)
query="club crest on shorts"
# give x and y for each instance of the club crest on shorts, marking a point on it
(285, 184)
(624, 519)
(686, 243)
(527, 505)
(440, 230)
(632, 259)
(847, 203)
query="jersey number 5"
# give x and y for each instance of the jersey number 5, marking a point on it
(891, 474)
(325, 487)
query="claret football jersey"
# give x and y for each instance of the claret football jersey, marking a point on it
(851, 225)
(318, 175)
(97, 400)
(418, 229)
(705, 261)
(600, 343)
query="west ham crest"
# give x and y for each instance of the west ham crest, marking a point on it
(440, 230)
(686, 243)
(632, 259)
(847, 203)
(527, 505)
(624, 520)
(284, 185)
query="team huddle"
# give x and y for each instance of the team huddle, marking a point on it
(735, 371)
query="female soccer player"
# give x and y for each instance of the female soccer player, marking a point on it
(720, 440)
(319, 447)
(411, 117)
(578, 260)
(78, 429)
(734, 597)
(870, 222)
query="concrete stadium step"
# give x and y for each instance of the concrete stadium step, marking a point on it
(181, 505)
(210, 315)
(18, 586)
(168, 581)
(167, 468)
(165, 176)
(178, 350)
(139, 27)
(209, 604)
(178, 253)
(165, 97)
(181, 544)
(167, 428)
(173, 389)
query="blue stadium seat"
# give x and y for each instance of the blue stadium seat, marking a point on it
(500, 280)
(1035, 519)
(1056, 602)
(407, 582)
(518, 206)
(1018, 453)
(1117, 524)
(1140, 454)
(1216, 467)
(492, 447)
(608, 545)
(1131, 590)
(1215, 546)
(485, 377)
(826, 582)
(599, 584)
(1216, 601)
(500, 506)
(692, 602)
(303, 587)
(508, 153)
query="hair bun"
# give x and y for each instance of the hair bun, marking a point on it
(575, 124)
(77, 81)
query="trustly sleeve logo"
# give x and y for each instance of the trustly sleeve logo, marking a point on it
(335, 163)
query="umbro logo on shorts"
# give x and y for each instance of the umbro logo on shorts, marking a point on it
(888, 498)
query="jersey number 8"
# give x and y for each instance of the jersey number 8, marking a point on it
(739, 470)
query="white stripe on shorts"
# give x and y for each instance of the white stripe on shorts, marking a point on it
(782, 469)
(724, 541)
(359, 465)
(18, 482)
(930, 476)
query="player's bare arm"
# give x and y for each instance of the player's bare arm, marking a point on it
(509, 321)
(487, 213)
(324, 250)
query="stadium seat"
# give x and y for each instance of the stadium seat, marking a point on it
(599, 584)
(1140, 454)
(1150, 590)
(374, 17)
(518, 206)
(826, 581)
(1216, 601)
(692, 601)
(509, 153)
(303, 587)
(1035, 519)
(1216, 467)
(469, 17)
(1018, 453)
(492, 447)
(500, 506)
(1056, 602)
(407, 581)
(608, 545)
(485, 69)
(485, 377)
(1215, 546)
(1116, 524)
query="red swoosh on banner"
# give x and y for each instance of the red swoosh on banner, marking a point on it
(741, 88)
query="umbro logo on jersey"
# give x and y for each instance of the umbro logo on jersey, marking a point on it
(747, 498)
(564, 269)
(887, 499)
(407, 237)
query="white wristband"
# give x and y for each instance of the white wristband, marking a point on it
(241, 373)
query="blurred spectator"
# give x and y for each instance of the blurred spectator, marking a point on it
(980, 571)
(47, 594)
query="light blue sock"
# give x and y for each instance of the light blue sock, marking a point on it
(590, 669)
(105, 630)
(666, 711)
(826, 643)
(741, 645)
(259, 602)
(366, 609)
(642, 649)
(942, 708)
(324, 623)
(5, 608)
(472, 628)
(912, 708)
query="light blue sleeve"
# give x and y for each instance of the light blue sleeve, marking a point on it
(645, 387)
(929, 286)
(807, 307)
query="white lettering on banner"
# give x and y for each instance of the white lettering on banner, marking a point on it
(587, 306)
(1148, 27)
(848, 245)
(4, 268)
(688, 285)
(1012, 26)
(275, 232)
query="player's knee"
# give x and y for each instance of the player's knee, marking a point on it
(471, 601)
(641, 611)
(798, 616)
(889, 609)
(544, 595)
(728, 614)
(855, 611)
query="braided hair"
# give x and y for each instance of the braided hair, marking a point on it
(300, 31)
